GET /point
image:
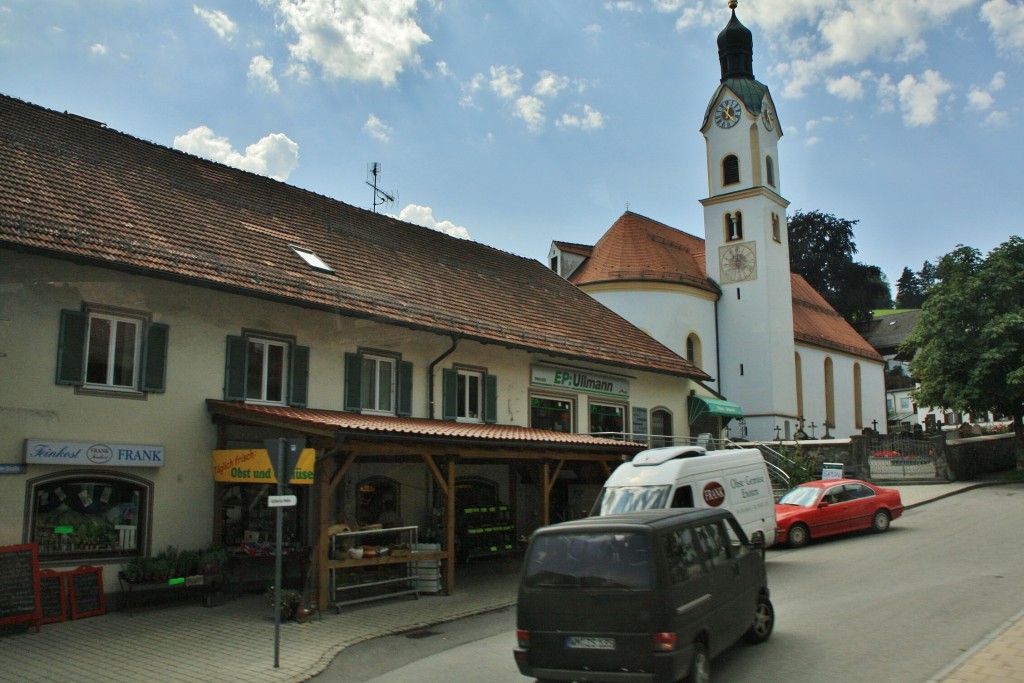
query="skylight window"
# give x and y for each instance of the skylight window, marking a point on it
(312, 259)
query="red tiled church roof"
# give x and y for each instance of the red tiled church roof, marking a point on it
(639, 248)
(73, 188)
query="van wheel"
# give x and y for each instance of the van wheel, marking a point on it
(700, 665)
(764, 621)
(798, 536)
(880, 522)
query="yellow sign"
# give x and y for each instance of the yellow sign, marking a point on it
(252, 466)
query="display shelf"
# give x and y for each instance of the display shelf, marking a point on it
(364, 579)
(485, 531)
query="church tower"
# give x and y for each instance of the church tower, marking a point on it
(747, 247)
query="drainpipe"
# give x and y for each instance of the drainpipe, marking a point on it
(430, 372)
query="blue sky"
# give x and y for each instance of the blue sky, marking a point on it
(516, 123)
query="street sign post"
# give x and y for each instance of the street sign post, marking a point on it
(286, 501)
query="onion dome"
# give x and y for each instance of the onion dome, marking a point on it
(736, 49)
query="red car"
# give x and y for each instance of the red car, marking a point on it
(834, 506)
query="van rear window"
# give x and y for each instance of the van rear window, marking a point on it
(616, 499)
(590, 560)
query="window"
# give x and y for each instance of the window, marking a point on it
(730, 170)
(799, 385)
(661, 428)
(379, 383)
(311, 259)
(469, 395)
(769, 167)
(858, 408)
(264, 369)
(684, 561)
(551, 413)
(607, 419)
(81, 515)
(693, 350)
(733, 226)
(110, 350)
(830, 394)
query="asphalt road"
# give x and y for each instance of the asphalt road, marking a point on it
(893, 607)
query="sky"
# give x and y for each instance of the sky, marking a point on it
(521, 122)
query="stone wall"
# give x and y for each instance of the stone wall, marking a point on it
(972, 457)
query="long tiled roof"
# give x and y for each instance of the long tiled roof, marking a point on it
(639, 248)
(334, 422)
(74, 188)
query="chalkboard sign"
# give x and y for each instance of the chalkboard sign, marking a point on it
(53, 596)
(19, 584)
(85, 586)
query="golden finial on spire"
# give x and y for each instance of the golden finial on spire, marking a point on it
(732, 4)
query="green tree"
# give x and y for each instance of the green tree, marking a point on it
(821, 249)
(909, 292)
(969, 340)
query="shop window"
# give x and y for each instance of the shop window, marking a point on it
(378, 502)
(264, 369)
(110, 350)
(469, 396)
(82, 516)
(246, 517)
(378, 383)
(555, 414)
(607, 419)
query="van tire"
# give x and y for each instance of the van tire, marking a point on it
(798, 536)
(700, 664)
(764, 621)
(880, 522)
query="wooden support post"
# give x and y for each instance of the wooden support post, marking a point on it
(450, 530)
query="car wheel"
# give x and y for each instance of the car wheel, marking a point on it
(764, 621)
(880, 522)
(798, 536)
(700, 665)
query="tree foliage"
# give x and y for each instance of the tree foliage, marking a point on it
(912, 288)
(969, 340)
(821, 249)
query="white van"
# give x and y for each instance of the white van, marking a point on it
(692, 477)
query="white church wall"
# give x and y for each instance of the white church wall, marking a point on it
(872, 381)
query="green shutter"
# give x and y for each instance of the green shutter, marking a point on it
(353, 381)
(154, 358)
(449, 394)
(298, 392)
(74, 325)
(234, 369)
(490, 399)
(404, 370)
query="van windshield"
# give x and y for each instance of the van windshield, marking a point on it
(616, 499)
(589, 560)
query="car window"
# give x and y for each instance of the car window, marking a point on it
(738, 546)
(714, 543)
(683, 497)
(855, 491)
(684, 561)
(833, 495)
(590, 560)
(804, 496)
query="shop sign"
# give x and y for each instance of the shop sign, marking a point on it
(577, 380)
(41, 452)
(252, 466)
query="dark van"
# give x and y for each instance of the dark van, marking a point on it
(642, 596)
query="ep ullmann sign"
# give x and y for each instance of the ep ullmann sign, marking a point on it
(45, 452)
(576, 380)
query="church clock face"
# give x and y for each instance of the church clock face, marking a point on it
(728, 113)
(767, 118)
(737, 262)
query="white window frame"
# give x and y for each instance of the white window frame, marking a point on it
(371, 400)
(266, 343)
(466, 409)
(115, 321)
(623, 408)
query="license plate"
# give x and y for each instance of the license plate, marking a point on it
(589, 643)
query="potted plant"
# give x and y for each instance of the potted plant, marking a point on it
(291, 601)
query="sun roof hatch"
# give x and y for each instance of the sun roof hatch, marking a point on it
(311, 259)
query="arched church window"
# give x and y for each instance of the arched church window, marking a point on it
(769, 167)
(730, 170)
(799, 386)
(776, 229)
(733, 226)
(693, 350)
(830, 394)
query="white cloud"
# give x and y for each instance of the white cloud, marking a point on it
(424, 215)
(979, 100)
(261, 72)
(998, 82)
(360, 40)
(469, 91)
(919, 99)
(997, 118)
(98, 49)
(550, 84)
(505, 81)
(593, 30)
(530, 109)
(623, 6)
(219, 21)
(442, 68)
(846, 88)
(590, 120)
(377, 129)
(1006, 22)
(275, 155)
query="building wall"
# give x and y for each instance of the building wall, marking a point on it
(32, 406)
(814, 398)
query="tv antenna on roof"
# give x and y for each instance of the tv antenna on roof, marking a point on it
(380, 197)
